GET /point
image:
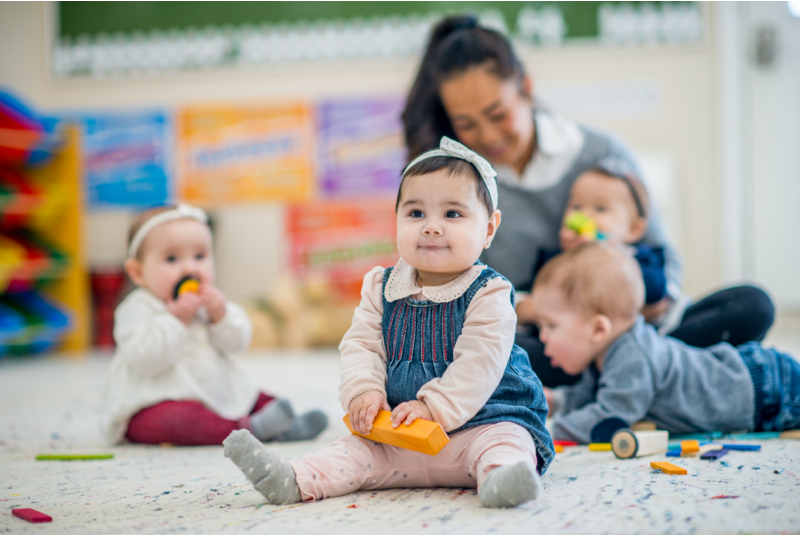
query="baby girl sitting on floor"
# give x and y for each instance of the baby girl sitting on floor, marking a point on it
(171, 379)
(433, 338)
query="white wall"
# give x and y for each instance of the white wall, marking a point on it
(674, 125)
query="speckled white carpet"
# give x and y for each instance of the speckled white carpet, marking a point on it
(51, 405)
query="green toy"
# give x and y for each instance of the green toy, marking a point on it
(583, 225)
(74, 456)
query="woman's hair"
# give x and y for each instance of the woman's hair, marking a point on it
(456, 44)
(452, 167)
(596, 278)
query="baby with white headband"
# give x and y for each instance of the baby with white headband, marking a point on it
(433, 338)
(171, 379)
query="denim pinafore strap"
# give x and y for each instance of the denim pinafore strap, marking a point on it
(420, 337)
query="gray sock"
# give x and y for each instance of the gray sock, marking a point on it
(305, 427)
(269, 474)
(509, 486)
(272, 419)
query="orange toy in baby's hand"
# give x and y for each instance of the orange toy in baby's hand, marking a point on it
(186, 284)
(423, 436)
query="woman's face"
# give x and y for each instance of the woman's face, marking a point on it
(491, 116)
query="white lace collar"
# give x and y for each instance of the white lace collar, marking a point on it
(402, 283)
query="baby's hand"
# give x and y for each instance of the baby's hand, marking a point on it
(364, 408)
(654, 311)
(410, 411)
(185, 306)
(214, 301)
(570, 239)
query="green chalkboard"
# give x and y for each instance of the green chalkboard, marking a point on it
(92, 18)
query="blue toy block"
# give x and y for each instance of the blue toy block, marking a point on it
(742, 447)
(713, 455)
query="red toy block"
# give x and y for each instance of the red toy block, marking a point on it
(31, 515)
(564, 443)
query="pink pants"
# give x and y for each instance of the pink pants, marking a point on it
(184, 423)
(353, 463)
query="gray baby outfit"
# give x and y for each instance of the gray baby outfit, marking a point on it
(680, 388)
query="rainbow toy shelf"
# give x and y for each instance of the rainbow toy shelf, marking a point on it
(43, 285)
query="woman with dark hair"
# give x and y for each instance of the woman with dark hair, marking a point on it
(472, 87)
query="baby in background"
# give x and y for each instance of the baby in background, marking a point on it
(587, 303)
(433, 338)
(171, 379)
(617, 203)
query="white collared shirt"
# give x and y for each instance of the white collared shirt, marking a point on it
(559, 141)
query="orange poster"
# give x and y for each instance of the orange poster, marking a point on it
(245, 153)
(340, 241)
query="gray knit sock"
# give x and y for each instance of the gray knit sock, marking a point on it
(305, 427)
(269, 474)
(272, 419)
(509, 486)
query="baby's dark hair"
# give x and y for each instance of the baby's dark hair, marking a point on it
(453, 167)
(616, 168)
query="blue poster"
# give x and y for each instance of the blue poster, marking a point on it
(127, 158)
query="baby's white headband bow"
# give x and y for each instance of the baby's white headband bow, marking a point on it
(182, 211)
(454, 149)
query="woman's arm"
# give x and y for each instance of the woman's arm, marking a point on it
(480, 357)
(363, 354)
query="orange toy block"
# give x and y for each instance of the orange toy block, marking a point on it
(690, 447)
(423, 436)
(669, 468)
(558, 448)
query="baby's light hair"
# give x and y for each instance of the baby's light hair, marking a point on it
(596, 278)
(141, 219)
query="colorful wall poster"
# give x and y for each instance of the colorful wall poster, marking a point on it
(338, 242)
(238, 153)
(126, 158)
(361, 148)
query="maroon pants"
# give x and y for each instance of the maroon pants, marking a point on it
(184, 423)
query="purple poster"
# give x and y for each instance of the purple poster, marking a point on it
(361, 147)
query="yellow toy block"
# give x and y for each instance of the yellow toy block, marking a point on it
(600, 446)
(669, 468)
(423, 436)
(690, 447)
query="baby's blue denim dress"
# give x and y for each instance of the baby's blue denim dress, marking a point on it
(420, 336)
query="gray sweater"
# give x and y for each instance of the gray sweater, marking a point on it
(680, 388)
(532, 218)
